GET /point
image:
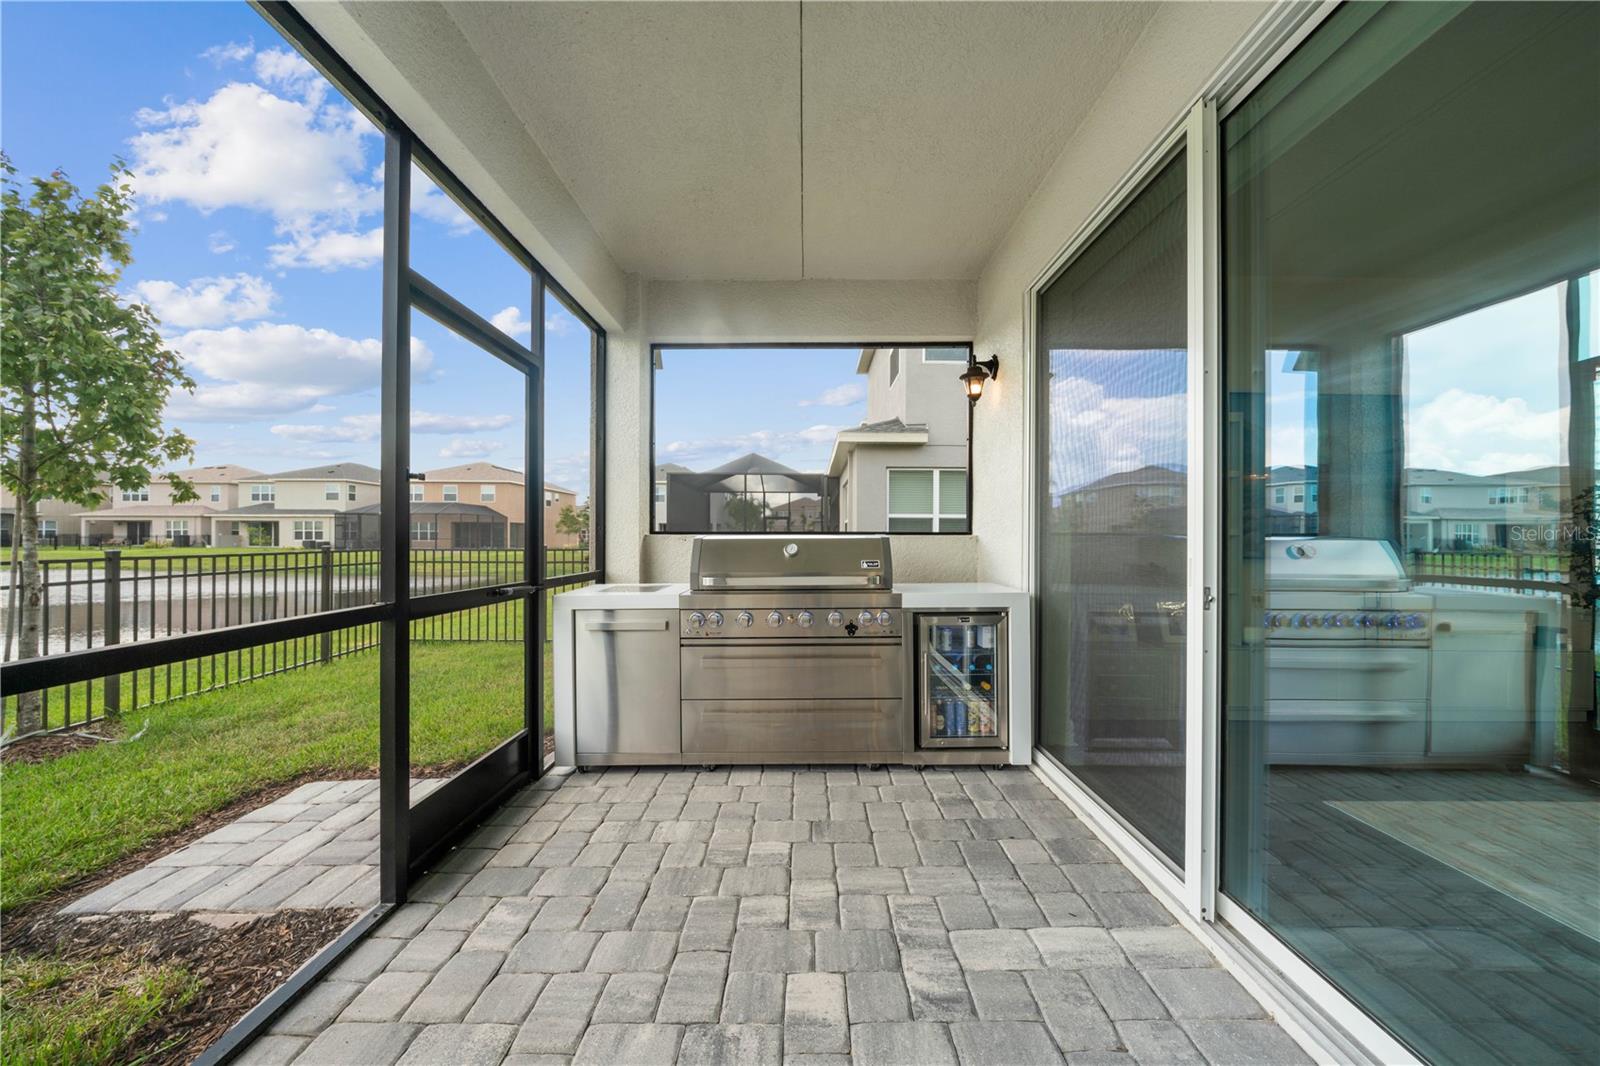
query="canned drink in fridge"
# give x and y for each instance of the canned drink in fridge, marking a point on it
(959, 728)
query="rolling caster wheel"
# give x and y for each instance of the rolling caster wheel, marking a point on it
(707, 767)
(999, 766)
(580, 769)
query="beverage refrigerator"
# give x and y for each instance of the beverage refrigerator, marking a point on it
(961, 690)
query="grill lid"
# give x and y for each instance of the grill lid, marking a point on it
(1345, 564)
(830, 561)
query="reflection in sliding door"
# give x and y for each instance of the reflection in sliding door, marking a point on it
(1112, 538)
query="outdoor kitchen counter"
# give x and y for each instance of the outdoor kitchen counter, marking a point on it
(951, 596)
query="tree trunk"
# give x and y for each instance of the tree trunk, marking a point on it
(30, 707)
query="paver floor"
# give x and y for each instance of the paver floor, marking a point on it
(313, 848)
(768, 915)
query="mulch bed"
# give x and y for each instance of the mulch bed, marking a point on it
(237, 965)
(49, 746)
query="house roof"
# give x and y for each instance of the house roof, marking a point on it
(155, 510)
(753, 463)
(1144, 475)
(220, 473)
(334, 472)
(475, 472)
(548, 487)
(430, 508)
(272, 510)
(888, 431)
(672, 468)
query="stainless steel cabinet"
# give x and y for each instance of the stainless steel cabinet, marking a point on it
(627, 683)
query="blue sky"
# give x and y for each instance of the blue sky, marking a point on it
(716, 404)
(259, 212)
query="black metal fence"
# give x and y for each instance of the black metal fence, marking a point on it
(122, 597)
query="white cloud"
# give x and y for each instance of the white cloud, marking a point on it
(802, 449)
(367, 427)
(468, 448)
(1479, 434)
(429, 201)
(423, 422)
(208, 301)
(560, 324)
(220, 242)
(512, 322)
(246, 147)
(330, 250)
(232, 52)
(839, 396)
(273, 369)
(1099, 434)
(290, 71)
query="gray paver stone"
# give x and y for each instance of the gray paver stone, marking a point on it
(874, 996)
(629, 1045)
(630, 997)
(460, 1045)
(508, 998)
(901, 1044)
(731, 1045)
(815, 1018)
(358, 1044)
(386, 997)
(1004, 1044)
(754, 998)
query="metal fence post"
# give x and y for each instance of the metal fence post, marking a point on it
(326, 602)
(112, 625)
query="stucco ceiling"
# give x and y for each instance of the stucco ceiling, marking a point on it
(779, 141)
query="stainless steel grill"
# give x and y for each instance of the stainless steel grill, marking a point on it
(792, 649)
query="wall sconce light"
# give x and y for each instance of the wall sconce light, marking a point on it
(977, 373)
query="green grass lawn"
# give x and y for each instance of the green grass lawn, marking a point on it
(68, 817)
(82, 1013)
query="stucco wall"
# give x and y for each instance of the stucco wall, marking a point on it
(1181, 47)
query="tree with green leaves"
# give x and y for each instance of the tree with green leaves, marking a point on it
(574, 521)
(748, 513)
(84, 374)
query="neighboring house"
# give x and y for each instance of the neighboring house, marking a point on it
(751, 494)
(1450, 511)
(556, 499)
(134, 516)
(1444, 510)
(58, 519)
(904, 469)
(474, 505)
(1149, 499)
(336, 504)
(658, 496)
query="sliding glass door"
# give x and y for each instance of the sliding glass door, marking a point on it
(1410, 234)
(1113, 631)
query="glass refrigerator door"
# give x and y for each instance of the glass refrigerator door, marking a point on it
(962, 669)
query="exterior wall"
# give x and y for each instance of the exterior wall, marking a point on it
(308, 495)
(869, 477)
(553, 503)
(1181, 47)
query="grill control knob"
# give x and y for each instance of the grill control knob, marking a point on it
(865, 618)
(804, 619)
(1413, 621)
(714, 619)
(885, 618)
(744, 619)
(835, 618)
(696, 620)
(775, 619)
